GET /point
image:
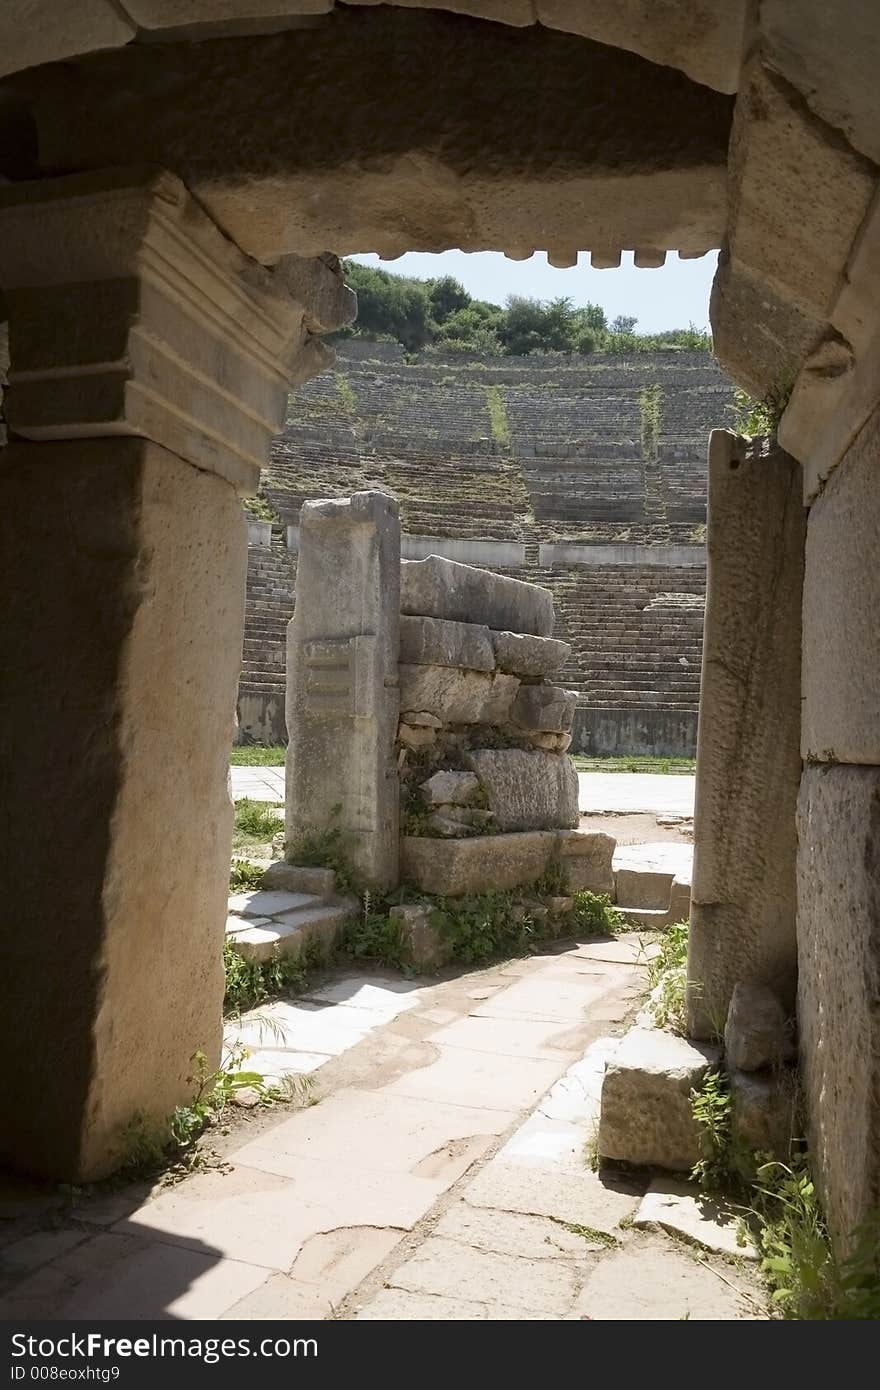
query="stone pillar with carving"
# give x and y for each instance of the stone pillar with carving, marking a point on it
(342, 682)
(150, 365)
(743, 899)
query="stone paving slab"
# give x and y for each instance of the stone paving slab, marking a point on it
(581, 1199)
(399, 1305)
(514, 1037)
(464, 1077)
(262, 1218)
(377, 1130)
(514, 1233)
(686, 1211)
(653, 1280)
(454, 1270)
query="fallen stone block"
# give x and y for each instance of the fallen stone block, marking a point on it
(439, 588)
(647, 1116)
(586, 857)
(763, 1111)
(438, 642)
(455, 696)
(543, 709)
(420, 719)
(450, 868)
(287, 934)
(756, 1032)
(416, 735)
(450, 788)
(643, 888)
(524, 655)
(679, 900)
(424, 943)
(299, 878)
(528, 790)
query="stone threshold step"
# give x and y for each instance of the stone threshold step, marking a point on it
(264, 938)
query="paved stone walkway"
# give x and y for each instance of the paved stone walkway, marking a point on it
(620, 792)
(442, 1174)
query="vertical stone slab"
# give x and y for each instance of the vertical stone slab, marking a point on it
(123, 597)
(748, 755)
(342, 682)
(842, 611)
(839, 985)
(839, 837)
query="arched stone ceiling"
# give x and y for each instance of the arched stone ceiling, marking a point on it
(702, 38)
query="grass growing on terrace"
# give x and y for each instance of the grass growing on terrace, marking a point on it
(665, 766)
(256, 755)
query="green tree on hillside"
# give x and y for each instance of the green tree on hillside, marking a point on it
(418, 313)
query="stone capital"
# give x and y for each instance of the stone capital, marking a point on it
(132, 314)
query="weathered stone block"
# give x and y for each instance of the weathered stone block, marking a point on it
(763, 1111)
(424, 943)
(528, 790)
(455, 696)
(544, 709)
(748, 756)
(646, 1115)
(798, 192)
(299, 878)
(841, 651)
(450, 788)
(452, 867)
(839, 984)
(438, 588)
(643, 888)
(756, 1034)
(436, 642)
(587, 861)
(416, 735)
(529, 656)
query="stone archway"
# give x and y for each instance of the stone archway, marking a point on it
(526, 134)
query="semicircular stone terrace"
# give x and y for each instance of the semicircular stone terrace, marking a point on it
(586, 474)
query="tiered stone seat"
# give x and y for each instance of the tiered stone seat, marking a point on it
(270, 580)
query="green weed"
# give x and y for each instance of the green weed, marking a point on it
(172, 1146)
(256, 820)
(326, 847)
(498, 416)
(667, 979)
(806, 1278)
(244, 876)
(260, 509)
(594, 914)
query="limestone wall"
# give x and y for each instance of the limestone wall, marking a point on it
(586, 475)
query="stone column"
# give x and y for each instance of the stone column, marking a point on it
(150, 364)
(748, 753)
(342, 681)
(839, 836)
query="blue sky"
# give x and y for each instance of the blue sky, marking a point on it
(672, 297)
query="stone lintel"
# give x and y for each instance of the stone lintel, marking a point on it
(132, 314)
